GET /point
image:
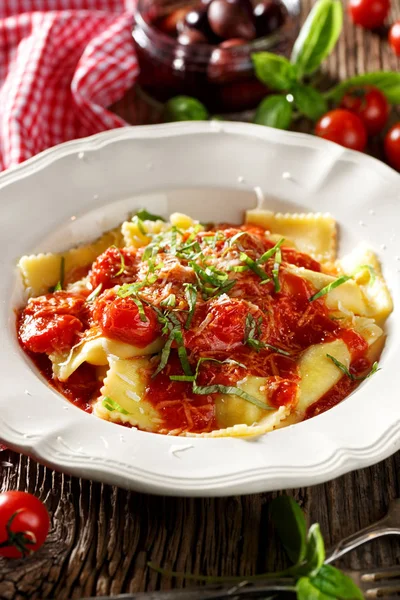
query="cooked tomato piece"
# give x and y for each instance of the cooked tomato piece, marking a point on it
(51, 323)
(61, 303)
(218, 326)
(120, 319)
(114, 266)
(51, 333)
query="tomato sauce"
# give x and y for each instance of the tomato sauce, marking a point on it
(252, 329)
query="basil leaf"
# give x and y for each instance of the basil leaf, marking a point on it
(318, 36)
(331, 286)
(110, 404)
(275, 71)
(374, 369)
(185, 108)
(310, 102)
(306, 591)
(60, 284)
(254, 266)
(332, 582)
(145, 215)
(274, 111)
(315, 553)
(230, 390)
(290, 523)
(275, 270)
(270, 253)
(93, 295)
(387, 81)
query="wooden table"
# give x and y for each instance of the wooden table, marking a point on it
(102, 536)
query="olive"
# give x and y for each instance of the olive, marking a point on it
(232, 19)
(198, 19)
(222, 61)
(191, 36)
(173, 23)
(232, 43)
(269, 16)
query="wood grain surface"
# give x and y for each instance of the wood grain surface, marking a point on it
(102, 537)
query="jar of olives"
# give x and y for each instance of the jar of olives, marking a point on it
(203, 48)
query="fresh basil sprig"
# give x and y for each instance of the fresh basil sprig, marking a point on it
(274, 111)
(317, 37)
(312, 579)
(185, 108)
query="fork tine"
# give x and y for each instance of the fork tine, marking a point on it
(380, 574)
(388, 591)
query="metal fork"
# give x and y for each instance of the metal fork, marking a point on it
(389, 525)
(374, 583)
(378, 583)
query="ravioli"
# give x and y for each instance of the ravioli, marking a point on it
(194, 340)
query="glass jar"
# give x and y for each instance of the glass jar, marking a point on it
(222, 78)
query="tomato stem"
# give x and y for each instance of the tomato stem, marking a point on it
(19, 539)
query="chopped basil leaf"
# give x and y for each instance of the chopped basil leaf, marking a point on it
(191, 298)
(183, 357)
(93, 295)
(331, 286)
(270, 253)
(122, 263)
(139, 224)
(328, 288)
(254, 266)
(139, 305)
(275, 270)
(145, 215)
(238, 268)
(60, 284)
(252, 333)
(111, 405)
(344, 369)
(182, 378)
(169, 301)
(130, 289)
(164, 356)
(236, 237)
(230, 390)
(218, 280)
(277, 350)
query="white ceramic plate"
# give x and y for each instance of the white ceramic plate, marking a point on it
(72, 193)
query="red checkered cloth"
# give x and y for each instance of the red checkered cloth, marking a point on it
(62, 63)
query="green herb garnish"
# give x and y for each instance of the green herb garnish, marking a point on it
(334, 284)
(60, 284)
(217, 388)
(145, 215)
(271, 252)
(172, 328)
(110, 404)
(140, 224)
(122, 262)
(191, 298)
(218, 280)
(169, 301)
(345, 370)
(252, 333)
(93, 295)
(252, 264)
(275, 270)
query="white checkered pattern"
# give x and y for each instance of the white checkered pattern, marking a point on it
(62, 63)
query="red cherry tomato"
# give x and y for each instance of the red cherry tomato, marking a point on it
(370, 14)
(50, 323)
(344, 128)
(392, 146)
(370, 105)
(24, 524)
(114, 266)
(220, 327)
(120, 319)
(394, 38)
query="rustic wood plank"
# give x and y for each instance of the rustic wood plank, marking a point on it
(102, 537)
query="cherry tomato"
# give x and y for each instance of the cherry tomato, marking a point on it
(119, 318)
(220, 327)
(51, 323)
(344, 128)
(49, 334)
(394, 38)
(24, 524)
(392, 146)
(114, 266)
(370, 14)
(370, 105)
